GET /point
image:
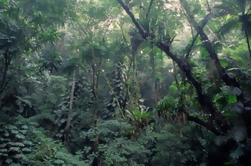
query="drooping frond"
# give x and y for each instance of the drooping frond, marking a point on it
(232, 23)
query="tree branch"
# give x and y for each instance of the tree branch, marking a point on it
(209, 47)
(149, 8)
(200, 122)
(140, 28)
(190, 46)
(204, 100)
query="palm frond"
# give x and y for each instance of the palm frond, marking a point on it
(231, 24)
(226, 7)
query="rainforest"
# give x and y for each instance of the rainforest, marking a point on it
(125, 83)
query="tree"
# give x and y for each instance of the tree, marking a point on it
(241, 21)
(126, 82)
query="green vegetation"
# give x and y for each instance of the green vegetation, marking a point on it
(125, 83)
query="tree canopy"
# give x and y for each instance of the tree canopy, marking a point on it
(125, 82)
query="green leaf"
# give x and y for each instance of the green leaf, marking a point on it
(231, 99)
(237, 153)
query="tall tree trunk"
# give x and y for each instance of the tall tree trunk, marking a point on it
(244, 20)
(95, 66)
(248, 42)
(155, 86)
(6, 64)
(70, 112)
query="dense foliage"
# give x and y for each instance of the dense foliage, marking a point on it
(125, 82)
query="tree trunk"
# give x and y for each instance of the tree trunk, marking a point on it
(155, 84)
(248, 42)
(70, 112)
(7, 61)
